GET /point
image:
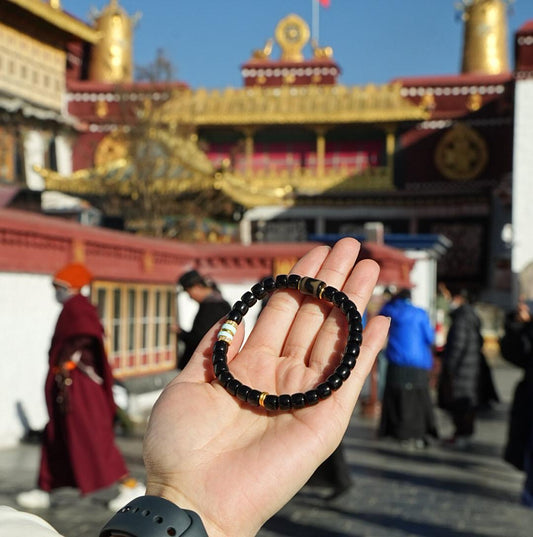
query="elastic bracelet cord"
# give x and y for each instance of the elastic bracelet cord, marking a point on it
(285, 402)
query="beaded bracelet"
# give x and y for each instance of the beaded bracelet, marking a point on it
(306, 286)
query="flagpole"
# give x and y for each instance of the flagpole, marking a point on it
(315, 21)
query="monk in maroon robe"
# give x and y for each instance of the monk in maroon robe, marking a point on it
(79, 445)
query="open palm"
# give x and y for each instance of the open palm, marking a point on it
(236, 465)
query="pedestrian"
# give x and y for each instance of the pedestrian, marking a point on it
(517, 348)
(460, 368)
(407, 410)
(333, 473)
(223, 468)
(212, 307)
(78, 448)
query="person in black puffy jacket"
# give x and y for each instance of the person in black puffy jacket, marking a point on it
(517, 347)
(461, 360)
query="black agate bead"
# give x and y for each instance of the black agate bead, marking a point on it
(249, 299)
(269, 284)
(259, 291)
(298, 400)
(311, 397)
(281, 281)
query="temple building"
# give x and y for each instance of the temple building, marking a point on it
(296, 155)
(35, 59)
(292, 157)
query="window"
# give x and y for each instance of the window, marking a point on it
(137, 320)
(145, 319)
(169, 321)
(131, 320)
(117, 319)
(101, 302)
(157, 319)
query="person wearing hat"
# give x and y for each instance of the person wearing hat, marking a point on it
(78, 447)
(212, 307)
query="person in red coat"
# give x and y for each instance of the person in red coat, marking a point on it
(79, 447)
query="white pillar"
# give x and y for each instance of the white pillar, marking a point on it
(522, 253)
(34, 152)
(64, 154)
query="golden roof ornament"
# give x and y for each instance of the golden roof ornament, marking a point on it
(292, 34)
(265, 52)
(321, 53)
(112, 56)
(485, 36)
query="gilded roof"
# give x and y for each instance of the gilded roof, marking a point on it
(59, 19)
(297, 105)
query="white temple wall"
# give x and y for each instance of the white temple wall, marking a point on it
(522, 240)
(28, 314)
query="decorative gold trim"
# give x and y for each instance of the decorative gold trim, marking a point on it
(285, 187)
(290, 105)
(78, 251)
(59, 18)
(474, 102)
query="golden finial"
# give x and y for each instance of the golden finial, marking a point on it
(485, 36)
(112, 56)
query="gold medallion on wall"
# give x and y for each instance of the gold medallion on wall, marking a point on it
(461, 153)
(112, 147)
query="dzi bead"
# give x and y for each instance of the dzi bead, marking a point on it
(311, 286)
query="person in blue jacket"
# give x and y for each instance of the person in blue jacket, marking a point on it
(407, 411)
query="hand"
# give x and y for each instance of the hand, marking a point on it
(234, 465)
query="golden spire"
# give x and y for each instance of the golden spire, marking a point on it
(112, 56)
(485, 36)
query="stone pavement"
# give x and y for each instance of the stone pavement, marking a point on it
(435, 492)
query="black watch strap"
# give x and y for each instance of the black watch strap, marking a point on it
(152, 516)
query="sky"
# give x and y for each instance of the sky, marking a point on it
(373, 41)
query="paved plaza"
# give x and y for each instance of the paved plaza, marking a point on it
(435, 492)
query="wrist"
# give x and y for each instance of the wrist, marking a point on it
(153, 516)
(178, 498)
(212, 526)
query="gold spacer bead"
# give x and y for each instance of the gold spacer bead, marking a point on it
(227, 339)
(321, 292)
(262, 398)
(232, 323)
